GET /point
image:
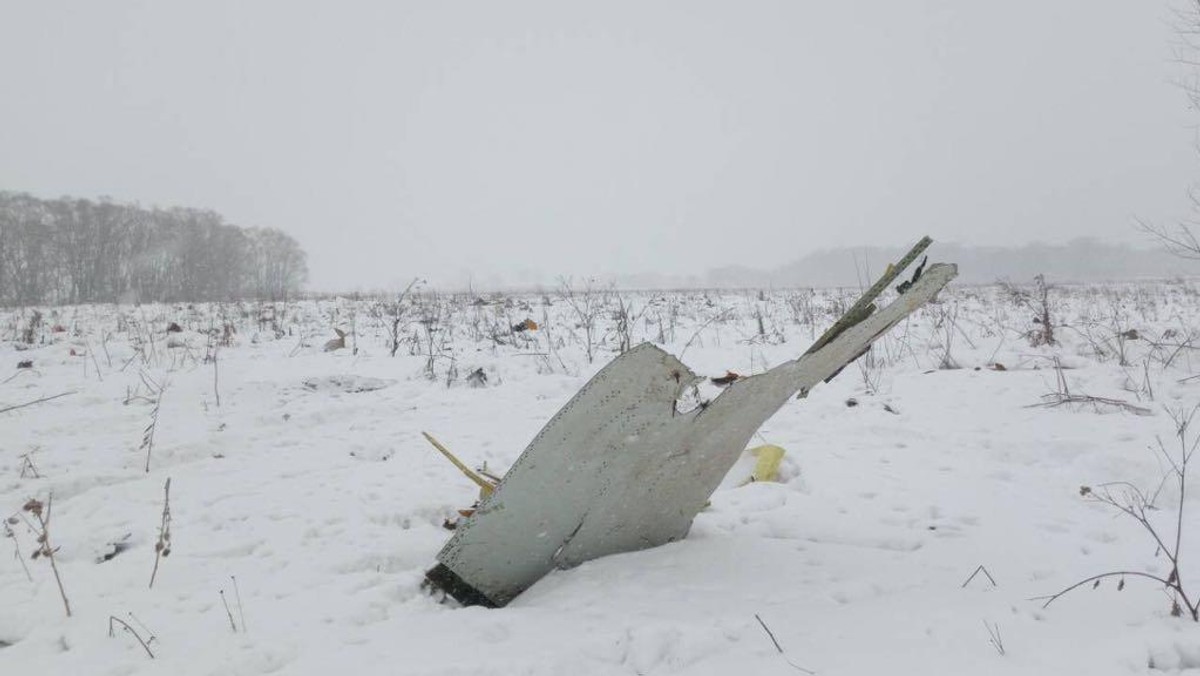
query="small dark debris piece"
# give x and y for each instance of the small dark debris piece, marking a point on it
(1131, 334)
(725, 380)
(998, 367)
(27, 364)
(851, 402)
(174, 328)
(114, 548)
(905, 286)
(889, 409)
(477, 378)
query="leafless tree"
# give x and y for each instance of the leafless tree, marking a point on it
(1180, 239)
(71, 250)
(586, 302)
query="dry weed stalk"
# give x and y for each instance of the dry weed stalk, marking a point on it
(237, 594)
(1063, 395)
(41, 513)
(779, 648)
(148, 433)
(162, 548)
(114, 619)
(1137, 504)
(228, 613)
(396, 312)
(35, 401)
(28, 469)
(978, 570)
(994, 637)
(8, 533)
(1038, 302)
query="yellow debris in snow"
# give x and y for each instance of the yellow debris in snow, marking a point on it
(767, 468)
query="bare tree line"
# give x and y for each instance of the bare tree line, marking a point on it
(70, 250)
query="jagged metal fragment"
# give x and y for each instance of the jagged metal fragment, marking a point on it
(620, 469)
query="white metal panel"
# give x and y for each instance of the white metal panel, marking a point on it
(618, 469)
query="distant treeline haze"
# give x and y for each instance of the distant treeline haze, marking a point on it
(70, 250)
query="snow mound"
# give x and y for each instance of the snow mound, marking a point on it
(346, 383)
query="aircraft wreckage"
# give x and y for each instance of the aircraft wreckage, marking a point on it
(621, 468)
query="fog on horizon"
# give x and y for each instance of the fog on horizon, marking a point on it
(511, 143)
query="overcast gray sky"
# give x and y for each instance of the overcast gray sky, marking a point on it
(521, 140)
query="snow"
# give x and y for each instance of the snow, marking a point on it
(310, 484)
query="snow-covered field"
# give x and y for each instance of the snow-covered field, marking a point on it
(305, 505)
